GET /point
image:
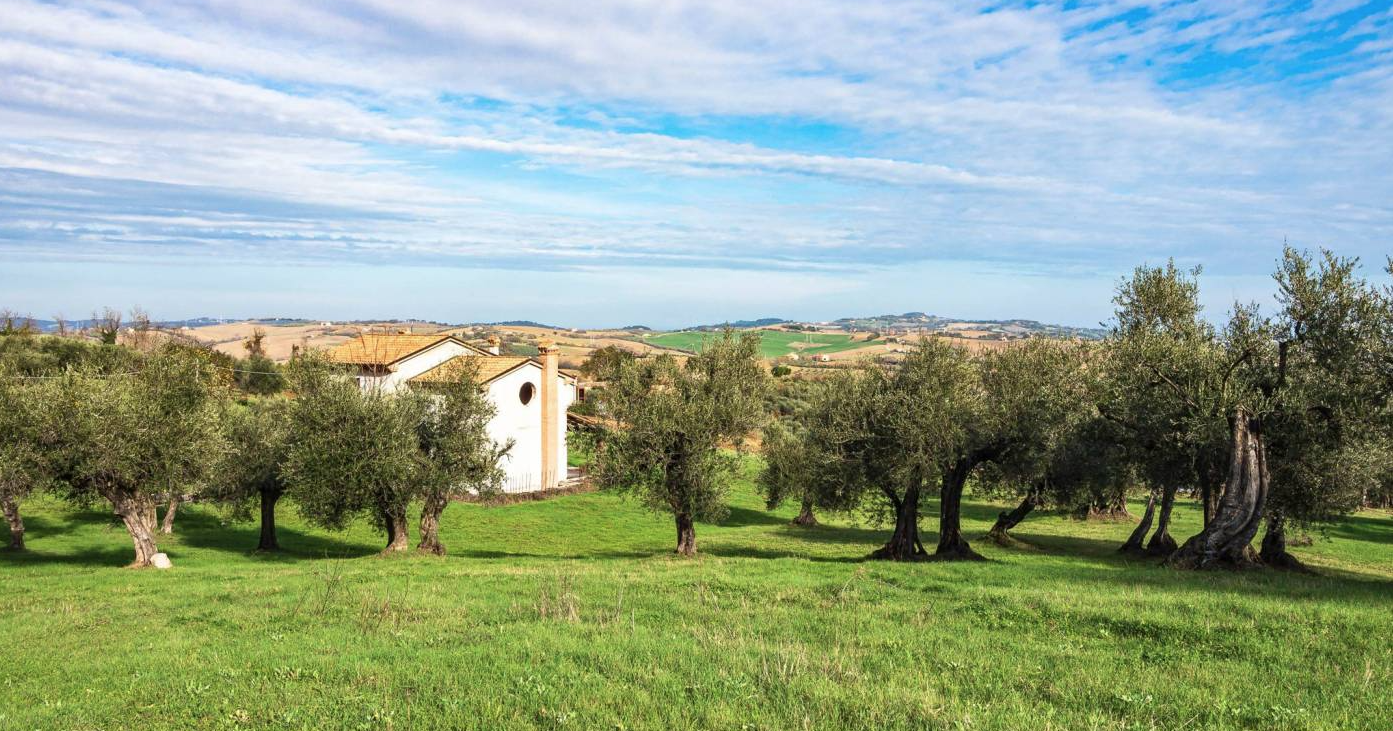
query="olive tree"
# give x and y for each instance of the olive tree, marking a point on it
(258, 433)
(1084, 458)
(128, 437)
(790, 469)
(1283, 393)
(1167, 387)
(21, 456)
(27, 359)
(351, 451)
(872, 438)
(1329, 394)
(673, 422)
(457, 456)
(1023, 402)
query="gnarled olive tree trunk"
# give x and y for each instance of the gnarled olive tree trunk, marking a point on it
(431, 510)
(1112, 507)
(1136, 542)
(1227, 540)
(1274, 547)
(951, 544)
(904, 544)
(167, 527)
(686, 534)
(10, 504)
(398, 533)
(805, 513)
(1161, 543)
(268, 542)
(137, 513)
(1000, 532)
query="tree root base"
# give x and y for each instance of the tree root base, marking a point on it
(885, 553)
(1286, 562)
(1162, 548)
(1189, 557)
(958, 555)
(1106, 516)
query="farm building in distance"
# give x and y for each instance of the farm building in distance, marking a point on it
(531, 395)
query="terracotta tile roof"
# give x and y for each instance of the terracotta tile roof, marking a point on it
(381, 348)
(490, 367)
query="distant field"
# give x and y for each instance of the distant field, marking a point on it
(773, 343)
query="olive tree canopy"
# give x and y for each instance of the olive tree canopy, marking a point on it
(673, 424)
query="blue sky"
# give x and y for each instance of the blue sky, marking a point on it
(609, 163)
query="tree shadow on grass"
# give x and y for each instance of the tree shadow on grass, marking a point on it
(737, 517)
(1365, 528)
(484, 553)
(104, 557)
(39, 530)
(43, 527)
(740, 551)
(205, 530)
(193, 528)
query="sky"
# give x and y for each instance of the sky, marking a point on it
(670, 163)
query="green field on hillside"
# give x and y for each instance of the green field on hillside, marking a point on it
(571, 613)
(773, 343)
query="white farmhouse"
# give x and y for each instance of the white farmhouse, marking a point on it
(530, 394)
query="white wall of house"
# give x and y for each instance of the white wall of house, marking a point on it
(523, 424)
(514, 420)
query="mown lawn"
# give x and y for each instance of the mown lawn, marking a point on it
(570, 613)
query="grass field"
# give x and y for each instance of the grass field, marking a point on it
(570, 613)
(773, 343)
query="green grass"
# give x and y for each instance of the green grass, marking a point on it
(570, 613)
(773, 343)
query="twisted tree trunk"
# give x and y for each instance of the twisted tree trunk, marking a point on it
(10, 504)
(167, 527)
(1136, 542)
(1109, 507)
(1005, 521)
(1209, 500)
(1274, 547)
(805, 514)
(951, 544)
(398, 533)
(1227, 540)
(904, 544)
(431, 510)
(686, 534)
(268, 542)
(1161, 543)
(137, 514)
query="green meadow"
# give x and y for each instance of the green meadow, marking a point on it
(773, 343)
(571, 613)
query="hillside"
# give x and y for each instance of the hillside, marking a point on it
(839, 340)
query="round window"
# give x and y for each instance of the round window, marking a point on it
(526, 392)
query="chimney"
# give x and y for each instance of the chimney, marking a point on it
(494, 344)
(551, 357)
